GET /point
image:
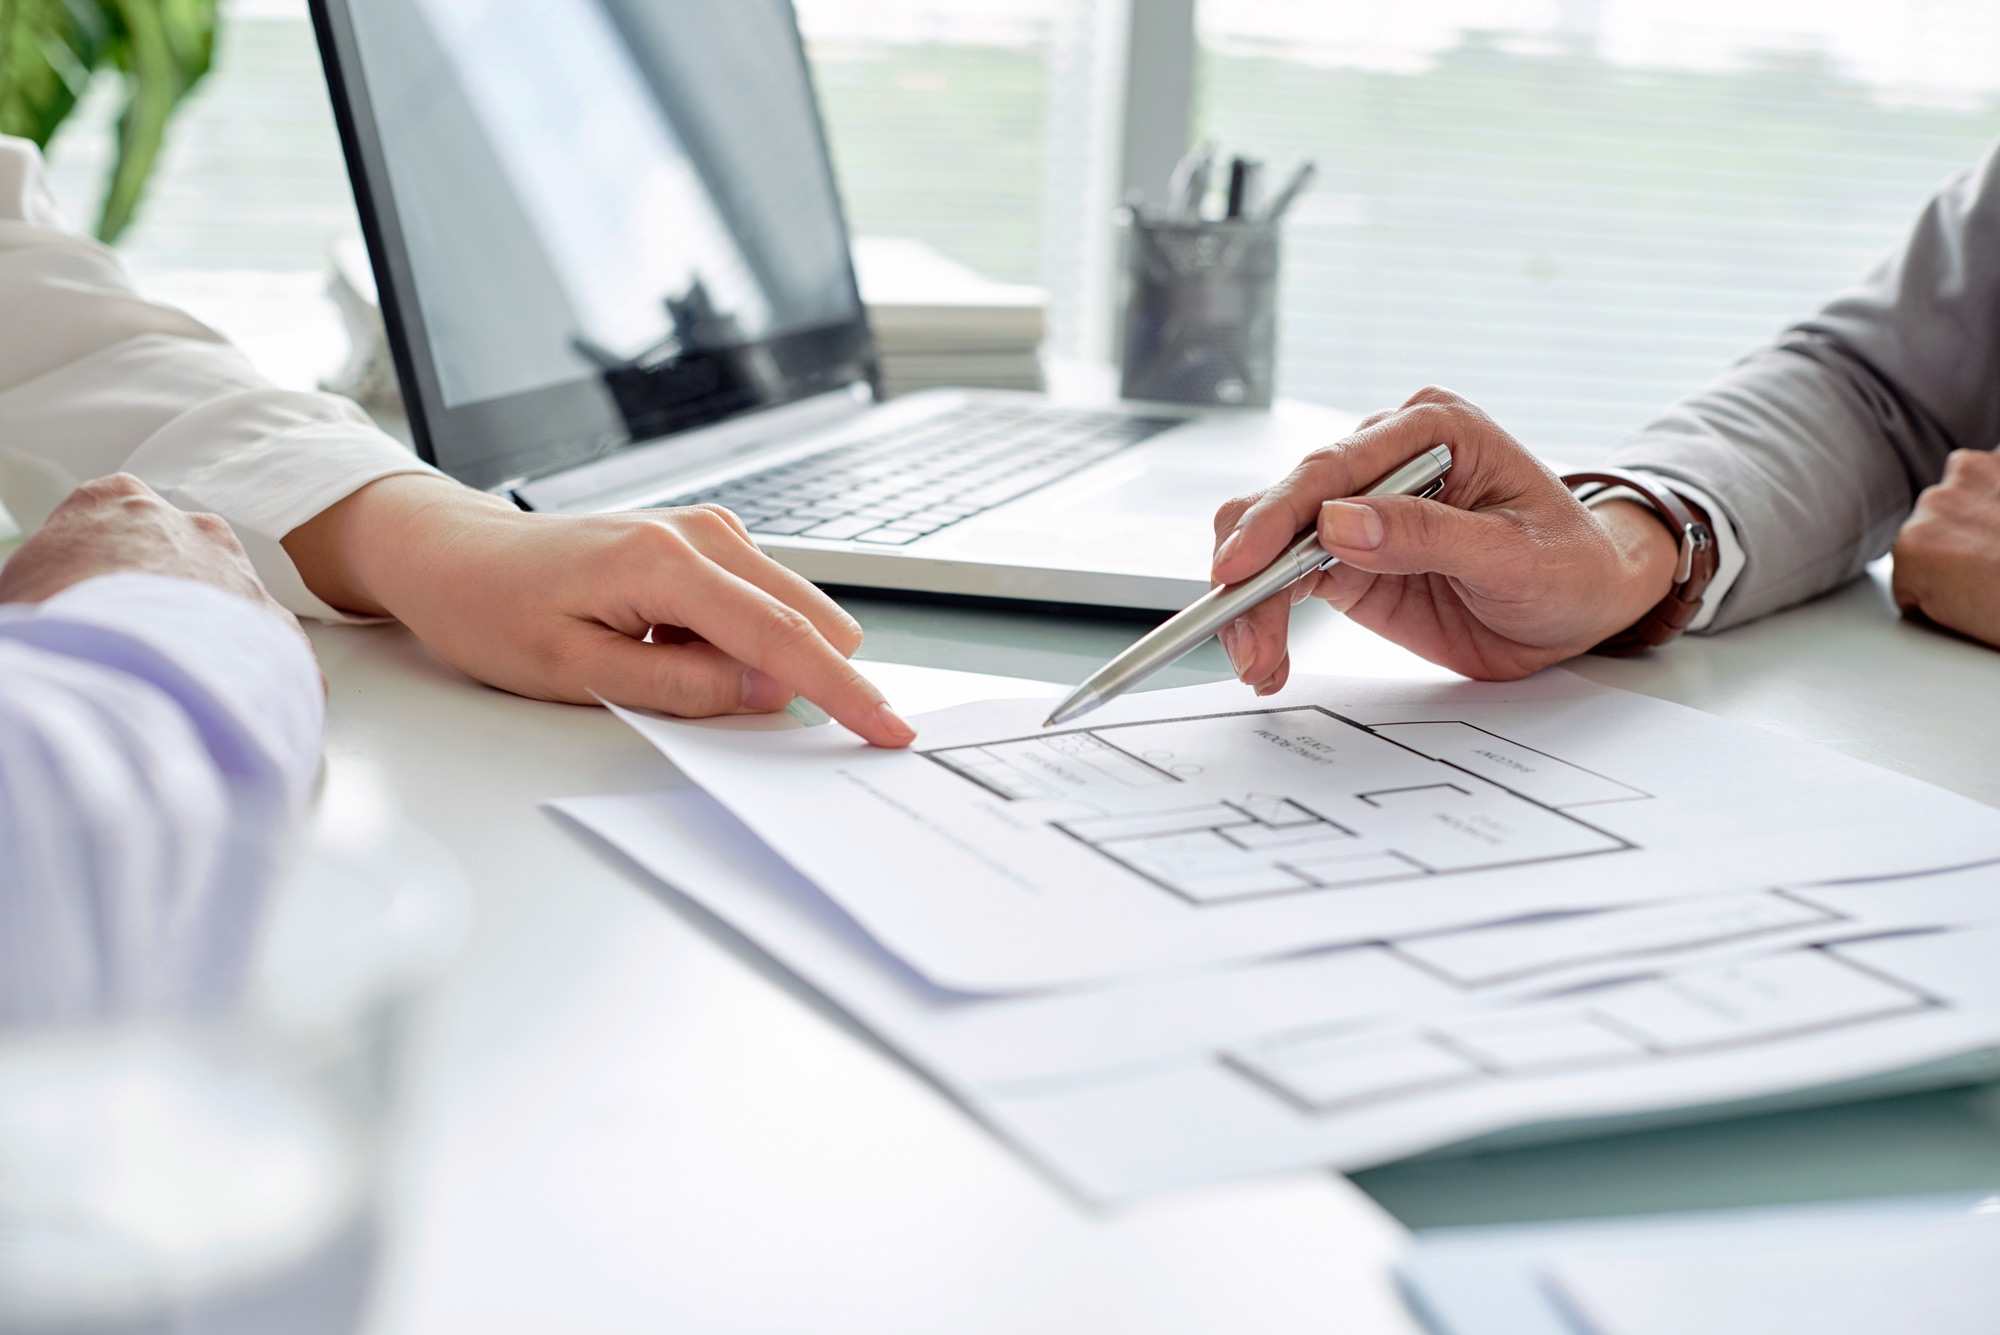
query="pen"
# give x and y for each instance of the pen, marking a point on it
(1293, 188)
(1197, 185)
(1243, 174)
(1180, 185)
(1184, 631)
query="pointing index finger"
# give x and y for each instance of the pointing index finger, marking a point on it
(761, 632)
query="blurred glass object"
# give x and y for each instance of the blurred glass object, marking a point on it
(1199, 302)
(217, 1176)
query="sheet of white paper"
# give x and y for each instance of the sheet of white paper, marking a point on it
(914, 689)
(1198, 826)
(1220, 1071)
(1933, 1276)
(1800, 1020)
(1880, 1267)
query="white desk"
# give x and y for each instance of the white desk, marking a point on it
(625, 1120)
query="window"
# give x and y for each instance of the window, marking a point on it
(1575, 211)
(1572, 210)
(939, 114)
(938, 111)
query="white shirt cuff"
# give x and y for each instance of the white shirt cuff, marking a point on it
(1728, 545)
(267, 472)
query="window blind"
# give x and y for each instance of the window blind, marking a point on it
(937, 112)
(1576, 212)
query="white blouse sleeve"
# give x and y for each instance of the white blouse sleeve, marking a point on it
(158, 742)
(95, 379)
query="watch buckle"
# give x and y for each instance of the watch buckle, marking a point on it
(1695, 537)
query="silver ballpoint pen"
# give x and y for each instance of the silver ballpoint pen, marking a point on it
(1183, 632)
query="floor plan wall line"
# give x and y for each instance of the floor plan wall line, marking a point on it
(1219, 809)
(1673, 1016)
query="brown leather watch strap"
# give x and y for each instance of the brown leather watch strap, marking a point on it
(1699, 558)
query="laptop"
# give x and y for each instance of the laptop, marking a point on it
(615, 274)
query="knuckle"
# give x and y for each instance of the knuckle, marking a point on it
(653, 539)
(1432, 395)
(1942, 505)
(847, 641)
(1431, 417)
(1315, 471)
(846, 636)
(684, 685)
(1914, 543)
(787, 624)
(116, 485)
(1425, 524)
(711, 518)
(1230, 511)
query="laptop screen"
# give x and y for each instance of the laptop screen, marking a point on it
(592, 222)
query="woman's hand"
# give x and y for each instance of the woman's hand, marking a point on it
(1504, 573)
(559, 608)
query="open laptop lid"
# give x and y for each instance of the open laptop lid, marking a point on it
(592, 222)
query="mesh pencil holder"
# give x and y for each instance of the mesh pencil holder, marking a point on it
(1200, 303)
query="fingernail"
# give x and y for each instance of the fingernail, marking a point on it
(1240, 643)
(1228, 548)
(893, 727)
(1344, 524)
(763, 692)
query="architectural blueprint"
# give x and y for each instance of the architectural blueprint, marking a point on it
(1379, 804)
(1183, 828)
(1792, 1023)
(1352, 1056)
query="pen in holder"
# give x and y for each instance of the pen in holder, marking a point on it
(1200, 301)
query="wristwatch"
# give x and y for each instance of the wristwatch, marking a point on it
(1699, 559)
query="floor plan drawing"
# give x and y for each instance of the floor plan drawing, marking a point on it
(1228, 807)
(1653, 1019)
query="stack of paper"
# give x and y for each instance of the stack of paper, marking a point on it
(1919, 1263)
(938, 323)
(1208, 936)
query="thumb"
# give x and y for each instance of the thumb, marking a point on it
(1405, 535)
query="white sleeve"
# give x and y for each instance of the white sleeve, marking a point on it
(94, 379)
(158, 742)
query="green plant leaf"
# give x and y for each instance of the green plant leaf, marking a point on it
(164, 47)
(48, 52)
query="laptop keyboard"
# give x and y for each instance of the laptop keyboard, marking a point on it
(908, 483)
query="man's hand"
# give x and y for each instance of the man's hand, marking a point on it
(118, 523)
(559, 608)
(1948, 554)
(1501, 575)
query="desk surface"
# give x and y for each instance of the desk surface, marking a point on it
(620, 1119)
(623, 1118)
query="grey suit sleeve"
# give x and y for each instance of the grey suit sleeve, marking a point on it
(1817, 445)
